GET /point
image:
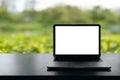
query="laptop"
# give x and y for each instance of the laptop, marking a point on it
(77, 47)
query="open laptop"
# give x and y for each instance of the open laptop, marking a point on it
(77, 47)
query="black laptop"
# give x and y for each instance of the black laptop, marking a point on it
(77, 47)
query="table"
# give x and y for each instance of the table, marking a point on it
(35, 64)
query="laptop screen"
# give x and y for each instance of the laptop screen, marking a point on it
(76, 39)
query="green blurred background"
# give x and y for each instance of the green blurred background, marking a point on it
(30, 31)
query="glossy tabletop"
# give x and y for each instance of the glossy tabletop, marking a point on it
(36, 64)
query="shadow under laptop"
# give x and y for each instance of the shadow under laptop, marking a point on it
(78, 72)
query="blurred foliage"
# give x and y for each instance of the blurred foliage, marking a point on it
(31, 31)
(62, 14)
(25, 43)
(110, 43)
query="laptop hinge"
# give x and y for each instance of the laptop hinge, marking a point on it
(77, 58)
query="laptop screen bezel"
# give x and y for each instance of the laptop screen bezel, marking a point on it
(54, 38)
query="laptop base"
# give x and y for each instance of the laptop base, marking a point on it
(79, 65)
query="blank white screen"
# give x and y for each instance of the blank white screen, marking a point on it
(77, 40)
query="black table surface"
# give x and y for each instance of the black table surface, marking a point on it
(36, 64)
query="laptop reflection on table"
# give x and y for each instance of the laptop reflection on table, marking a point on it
(77, 47)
